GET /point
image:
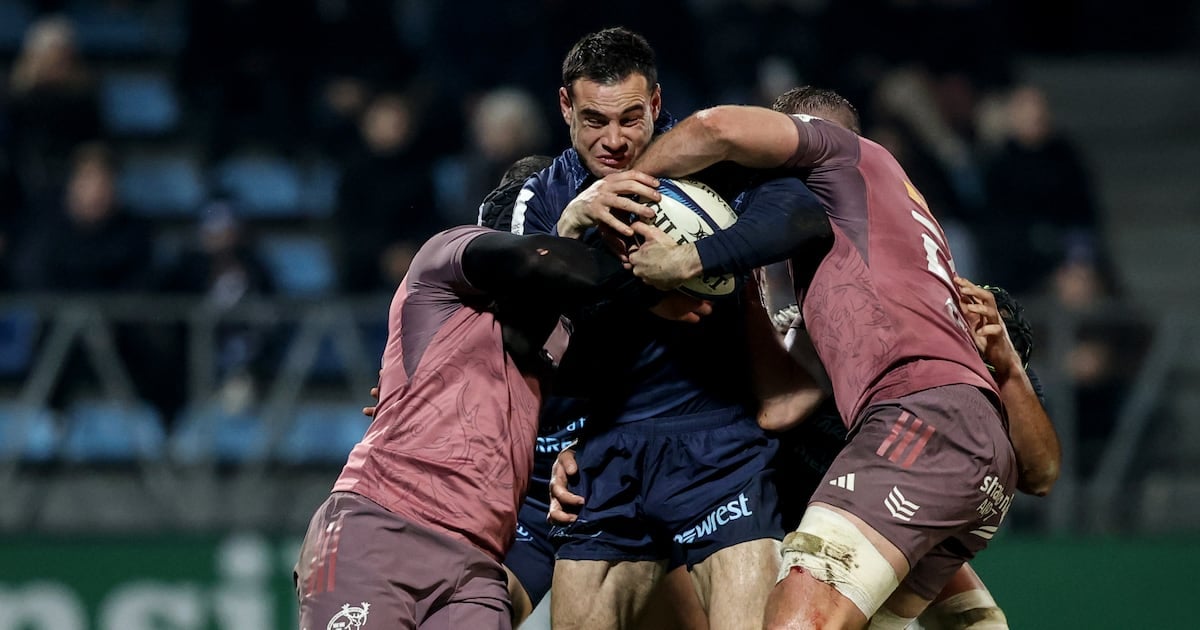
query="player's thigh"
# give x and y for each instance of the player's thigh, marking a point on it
(964, 604)
(347, 570)
(522, 605)
(836, 572)
(674, 605)
(530, 561)
(733, 584)
(599, 594)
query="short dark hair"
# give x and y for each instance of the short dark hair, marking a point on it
(497, 208)
(609, 56)
(1013, 315)
(819, 102)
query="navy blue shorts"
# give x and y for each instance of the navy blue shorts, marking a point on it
(531, 557)
(677, 489)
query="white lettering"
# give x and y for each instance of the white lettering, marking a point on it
(41, 606)
(150, 605)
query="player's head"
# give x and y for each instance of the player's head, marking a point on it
(496, 210)
(1013, 314)
(821, 103)
(610, 98)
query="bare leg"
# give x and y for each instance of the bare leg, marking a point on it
(734, 583)
(596, 594)
(674, 605)
(522, 606)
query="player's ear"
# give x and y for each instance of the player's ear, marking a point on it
(564, 104)
(655, 102)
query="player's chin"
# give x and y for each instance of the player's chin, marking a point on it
(607, 166)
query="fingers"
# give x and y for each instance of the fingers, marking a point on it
(375, 392)
(557, 515)
(651, 233)
(634, 182)
(974, 291)
(368, 412)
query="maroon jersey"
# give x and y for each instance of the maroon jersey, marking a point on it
(451, 446)
(882, 309)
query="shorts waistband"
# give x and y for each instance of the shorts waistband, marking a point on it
(689, 422)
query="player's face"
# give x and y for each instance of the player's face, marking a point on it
(610, 124)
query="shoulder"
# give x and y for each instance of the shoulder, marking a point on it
(440, 259)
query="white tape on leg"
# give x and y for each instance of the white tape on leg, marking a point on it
(831, 549)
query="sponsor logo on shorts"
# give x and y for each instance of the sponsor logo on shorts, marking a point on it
(523, 534)
(845, 481)
(731, 511)
(996, 501)
(901, 508)
(350, 618)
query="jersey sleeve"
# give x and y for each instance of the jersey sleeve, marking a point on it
(438, 266)
(534, 211)
(776, 219)
(823, 143)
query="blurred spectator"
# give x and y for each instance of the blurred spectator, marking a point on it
(506, 125)
(223, 267)
(385, 205)
(54, 105)
(1106, 351)
(1039, 192)
(83, 241)
(925, 121)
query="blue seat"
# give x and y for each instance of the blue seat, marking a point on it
(162, 185)
(300, 265)
(15, 18)
(262, 186)
(109, 432)
(320, 188)
(18, 335)
(322, 434)
(138, 103)
(210, 432)
(28, 433)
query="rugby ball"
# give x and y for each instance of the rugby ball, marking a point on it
(689, 211)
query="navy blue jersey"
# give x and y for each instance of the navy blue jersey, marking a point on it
(633, 365)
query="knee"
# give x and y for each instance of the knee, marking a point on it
(970, 610)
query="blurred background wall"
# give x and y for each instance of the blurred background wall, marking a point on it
(205, 206)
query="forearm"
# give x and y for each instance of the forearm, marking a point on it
(1039, 454)
(777, 219)
(553, 270)
(751, 136)
(786, 391)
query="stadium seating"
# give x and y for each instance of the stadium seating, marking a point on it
(28, 433)
(110, 432)
(322, 434)
(211, 433)
(138, 103)
(18, 332)
(301, 265)
(262, 186)
(162, 185)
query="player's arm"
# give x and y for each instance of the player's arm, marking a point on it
(558, 272)
(1035, 442)
(787, 393)
(609, 202)
(778, 219)
(756, 137)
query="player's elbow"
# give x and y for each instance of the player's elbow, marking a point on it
(717, 128)
(1039, 481)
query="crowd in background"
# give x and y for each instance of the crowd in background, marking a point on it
(417, 106)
